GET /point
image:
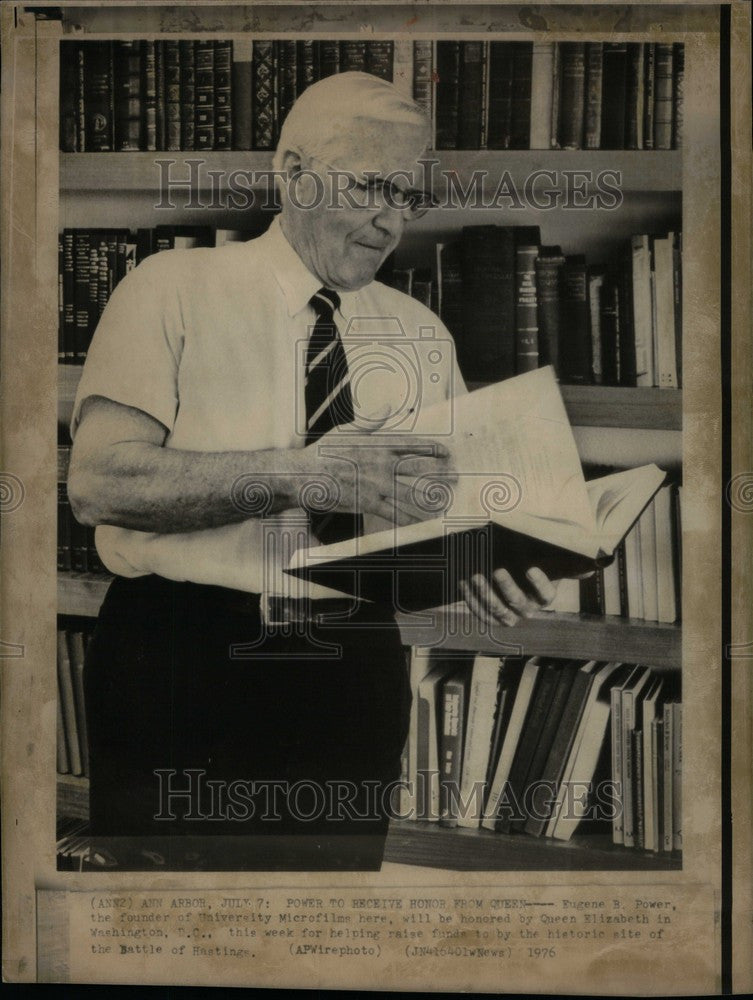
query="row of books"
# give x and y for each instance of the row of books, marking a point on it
(513, 304)
(72, 740)
(644, 579)
(559, 95)
(91, 262)
(544, 747)
(76, 549)
(175, 94)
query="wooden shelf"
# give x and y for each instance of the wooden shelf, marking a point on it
(433, 846)
(589, 637)
(640, 170)
(587, 405)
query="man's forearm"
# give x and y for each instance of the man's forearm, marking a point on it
(151, 488)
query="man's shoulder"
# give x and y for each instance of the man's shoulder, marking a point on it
(187, 264)
(404, 305)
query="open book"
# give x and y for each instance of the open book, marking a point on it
(520, 501)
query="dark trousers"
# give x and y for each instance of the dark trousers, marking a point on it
(202, 722)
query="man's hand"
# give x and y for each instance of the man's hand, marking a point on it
(500, 599)
(376, 474)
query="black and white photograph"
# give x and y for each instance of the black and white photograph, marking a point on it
(391, 348)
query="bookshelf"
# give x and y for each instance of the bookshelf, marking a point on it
(115, 183)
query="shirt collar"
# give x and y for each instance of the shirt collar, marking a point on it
(296, 282)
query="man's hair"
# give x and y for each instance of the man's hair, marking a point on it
(319, 122)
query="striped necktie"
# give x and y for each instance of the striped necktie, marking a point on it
(329, 402)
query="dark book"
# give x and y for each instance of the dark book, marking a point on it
(520, 105)
(499, 112)
(447, 108)
(627, 356)
(622, 579)
(548, 265)
(554, 120)
(329, 58)
(145, 246)
(68, 703)
(61, 328)
(172, 95)
(353, 57)
(263, 72)
(529, 738)
(427, 742)
(609, 311)
(663, 96)
(593, 99)
(677, 290)
(380, 59)
(81, 275)
(76, 659)
(204, 95)
(508, 685)
(542, 801)
(678, 88)
(306, 61)
(69, 300)
(422, 286)
(527, 241)
(572, 94)
(223, 95)
(64, 561)
(81, 146)
(127, 84)
(634, 93)
(241, 84)
(471, 95)
(614, 86)
(68, 111)
(486, 342)
(565, 679)
(287, 73)
(187, 95)
(575, 330)
(422, 75)
(649, 85)
(451, 738)
(61, 760)
(592, 595)
(160, 99)
(148, 96)
(98, 96)
(639, 811)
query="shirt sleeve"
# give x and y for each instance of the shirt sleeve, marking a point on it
(135, 353)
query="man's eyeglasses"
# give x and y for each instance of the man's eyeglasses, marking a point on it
(370, 190)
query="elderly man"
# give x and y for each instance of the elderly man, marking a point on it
(217, 377)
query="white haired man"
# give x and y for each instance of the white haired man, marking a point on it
(196, 399)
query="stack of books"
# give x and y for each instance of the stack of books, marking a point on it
(644, 579)
(544, 747)
(514, 304)
(72, 740)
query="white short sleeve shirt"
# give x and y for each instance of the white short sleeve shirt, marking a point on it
(210, 343)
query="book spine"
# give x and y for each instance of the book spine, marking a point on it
(99, 97)
(520, 111)
(548, 300)
(471, 93)
(677, 291)
(64, 528)
(422, 74)
(380, 59)
(204, 95)
(68, 113)
(148, 96)
(622, 579)
(447, 94)
(127, 95)
(62, 762)
(241, 84)
(639, 821)
(634, 88)
(187, 96)
(575, 348)
(263, 71)
(81, 292)
(595, 285)
(329, 59)
(223, 95)
(614, 94)
(593, 101)
(677, 776)
(160, 96)
(172, 95)
(81, 145)
(526, 308)
(65, 688)
(643, 327)
(572, 95)
(287, 71)
(649, 85)
(678, 99)
(484, 130)
(657, 747)
(541, 94)
(69, 300)
(306, 65)
(663, 97)
(498, 133)
(609, 329)
(451, 750)
(353, 57)
(626, 353)
(618, 820)
(554, 124)
(61, 303)
(667, 776)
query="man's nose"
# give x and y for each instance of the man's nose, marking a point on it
(390, 219)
